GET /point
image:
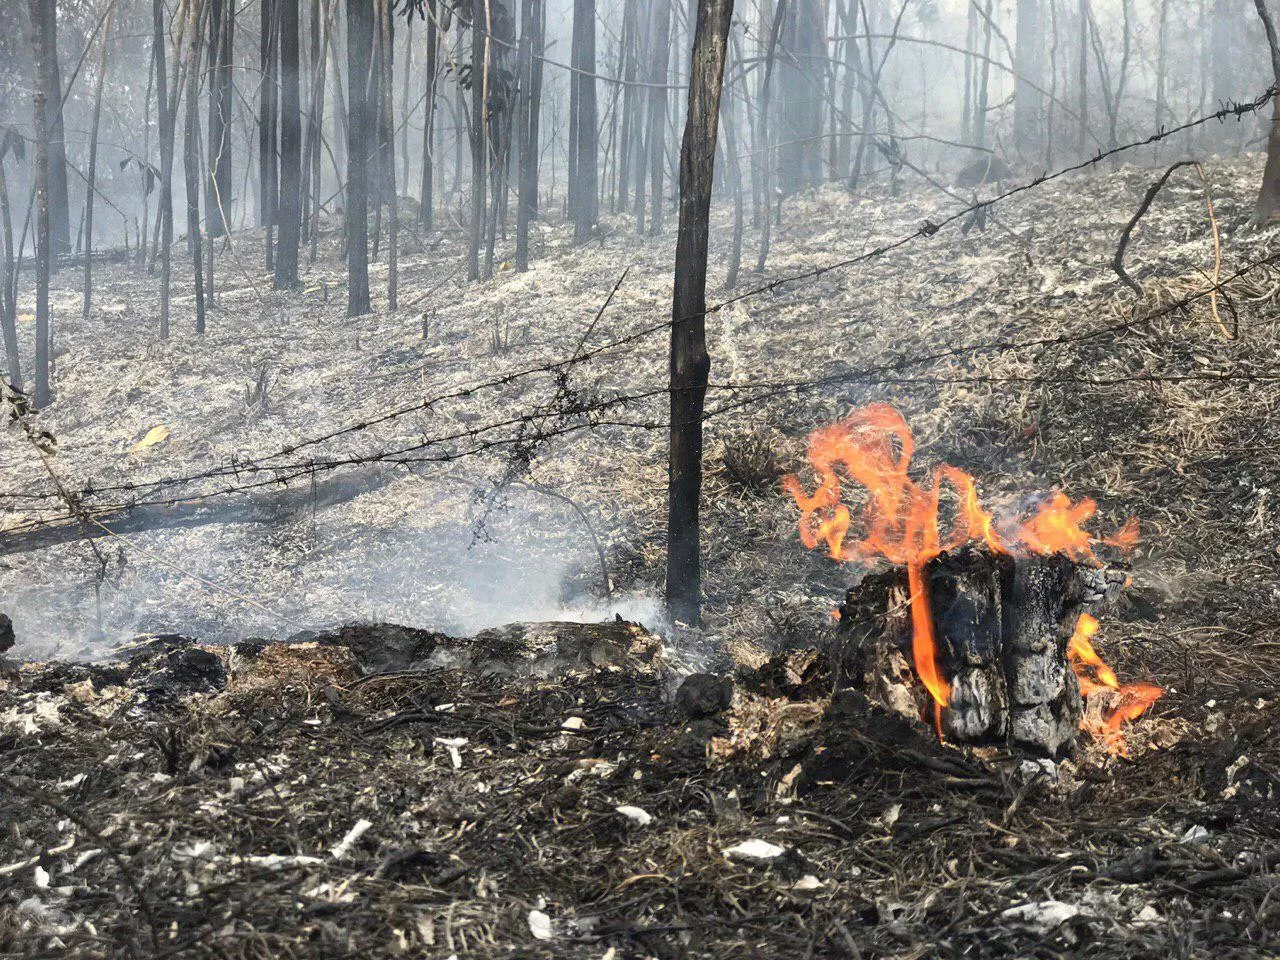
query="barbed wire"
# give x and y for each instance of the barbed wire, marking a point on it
(533, 430)
(285, 473)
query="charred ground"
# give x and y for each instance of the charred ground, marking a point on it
(1167, 420)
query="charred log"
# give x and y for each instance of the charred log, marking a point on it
(1002, 626)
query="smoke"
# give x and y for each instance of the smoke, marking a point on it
(238, 581)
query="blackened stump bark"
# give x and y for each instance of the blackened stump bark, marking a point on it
(1003, 626)
(359, 128)
(690, 364)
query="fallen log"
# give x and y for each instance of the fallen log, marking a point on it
(276, 506)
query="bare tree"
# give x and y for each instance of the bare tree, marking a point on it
(289, 212)
(690, 364)
(583, 180)
(92, 179)
(40, 88)
(1267, 208)
(359, 130)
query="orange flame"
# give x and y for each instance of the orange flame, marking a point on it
(1131, 700)
(899, 519)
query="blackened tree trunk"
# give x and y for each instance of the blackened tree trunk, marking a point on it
(583, 187)
(426, 196)
(268, 170)
(1082, 76)
(8, 304)
(164, 215)
(289, 212)
(534, 25)
(479, 121)
(93, 166)
(41, 96)
(657, 136)
(1267, 208)
(221, 65)
(386, 109)
(45, 16)
(359, 128)
(800, 96)
(690, 364)
(1027, 77)
(191, 158)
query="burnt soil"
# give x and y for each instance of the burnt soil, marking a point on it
(182, 800)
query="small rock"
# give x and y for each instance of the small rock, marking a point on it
(573, 723)
(703, 695)
(807, 884)
(758, 851)
(637, 815)
(1195, 834)
(1043, 916)
(540, 925)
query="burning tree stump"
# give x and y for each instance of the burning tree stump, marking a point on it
(1002, 626)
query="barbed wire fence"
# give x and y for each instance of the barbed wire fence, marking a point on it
(571, 412)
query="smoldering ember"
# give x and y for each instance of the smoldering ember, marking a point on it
(639, 479)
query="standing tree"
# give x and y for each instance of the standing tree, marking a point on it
(164, 216)
(583, 183)
(1267, 208)
(1027, 77)
(359, 130)
(92, 179)
(190, 155)
(44, 18)
(690, 364)
(40, 87)
(268, 171)
(533, 26)
(657, 135)
(479, 126)
(217, 202)
(289, 211)
(11, 143)
(426, 205)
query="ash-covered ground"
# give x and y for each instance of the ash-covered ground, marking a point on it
(1171, 420)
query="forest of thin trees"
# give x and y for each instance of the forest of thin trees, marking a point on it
(166, 133)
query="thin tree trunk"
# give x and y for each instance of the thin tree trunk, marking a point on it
(479, 122)
(1267, 208)
(191, 158)
(148, 181)
(164, 213)
(268, 159)
(289, 212)
(527, 202)
(426, 195)
(8, 305)
(219, 189)
(1027, 78)
(1082, 77)
(387, 104)
(765, 147)
(41, 123)
(359, 63)
(93, 165)
(657, 136)
(583, 187)
(45, 18)
(690, 364)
